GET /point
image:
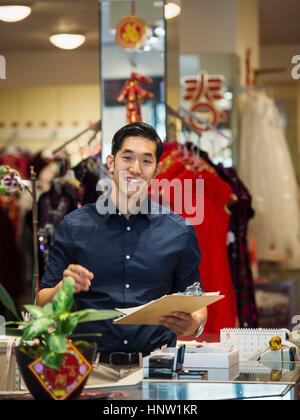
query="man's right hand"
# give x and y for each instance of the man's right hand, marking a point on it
(81, 275)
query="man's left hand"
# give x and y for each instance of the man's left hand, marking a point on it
(180, 323)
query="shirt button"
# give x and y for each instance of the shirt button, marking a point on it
(127, 286)
(128, 228)
(127, 257)
(125, 342)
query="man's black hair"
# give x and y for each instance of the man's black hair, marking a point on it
(138, 129)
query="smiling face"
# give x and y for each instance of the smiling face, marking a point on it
(134, 166)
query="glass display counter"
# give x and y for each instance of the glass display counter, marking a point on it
(247, 380)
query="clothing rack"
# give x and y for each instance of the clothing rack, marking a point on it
(94, 127)
(185, 125)
(188, 126)
(30, 186)
(200, 120)
(36, 275)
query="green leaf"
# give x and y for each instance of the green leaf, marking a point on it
(63, 299)
(88, 315)
(48, 309)
(14, 332)
(7, 301)
(16, 323)
(36, 327)
(36, 311)
(51, 359)
(57, 343)
(67, 322)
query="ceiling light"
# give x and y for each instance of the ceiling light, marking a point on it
(14, 13)
(172, 10)
(67, 41)
(153, 40)
(159, 31)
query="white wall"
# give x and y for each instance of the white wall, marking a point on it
(38, 117)
(207, 26)
(247, 34)
(51, 68)
(226, 26)
(278, 56)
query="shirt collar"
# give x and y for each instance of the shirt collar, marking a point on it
(107, 208)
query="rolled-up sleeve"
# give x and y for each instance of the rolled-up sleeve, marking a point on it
(60, 255)
(187, 270)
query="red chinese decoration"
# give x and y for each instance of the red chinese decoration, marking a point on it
(203, 92)
(133, 95)
(59, 384)
(131, 32)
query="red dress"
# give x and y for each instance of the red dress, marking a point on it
(212, 237)
(214, 267)
(157, 192)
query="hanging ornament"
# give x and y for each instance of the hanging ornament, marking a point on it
(133, 95)
(131, 32)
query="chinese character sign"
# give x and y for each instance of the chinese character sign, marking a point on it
(131, 32)
(203, 93)
(59, 384)
(133, 95)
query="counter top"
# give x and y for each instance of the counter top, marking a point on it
(246, 380)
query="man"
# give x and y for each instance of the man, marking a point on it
(122, 256)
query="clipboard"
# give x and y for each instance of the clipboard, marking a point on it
(148, 314)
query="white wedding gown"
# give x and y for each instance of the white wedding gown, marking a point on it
(266, 169)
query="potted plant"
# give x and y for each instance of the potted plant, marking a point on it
(52, 364)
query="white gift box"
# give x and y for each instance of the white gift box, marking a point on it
(212, 355)
(209, 357)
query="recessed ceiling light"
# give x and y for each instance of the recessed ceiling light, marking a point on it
(159, 31)
(67, 41)
(154, 40)
(14, 12)
(172, 10)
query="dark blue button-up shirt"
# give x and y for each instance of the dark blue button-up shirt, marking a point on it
(133, 261)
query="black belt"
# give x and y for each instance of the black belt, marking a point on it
(120, 358)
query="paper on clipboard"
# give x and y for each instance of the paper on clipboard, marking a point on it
(149, 313)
